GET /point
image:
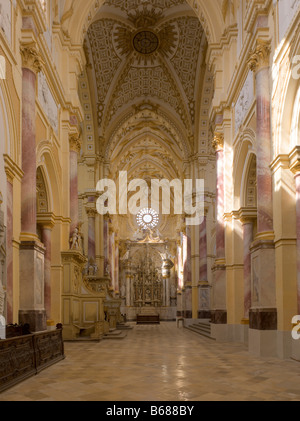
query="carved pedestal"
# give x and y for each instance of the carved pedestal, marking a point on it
(88, 306)
(204, 300)
(32, 309)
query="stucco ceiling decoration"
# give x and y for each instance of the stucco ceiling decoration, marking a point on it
(147, 120)
(146, 49)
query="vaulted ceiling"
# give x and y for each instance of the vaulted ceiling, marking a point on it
(146, 51)
(150, 91)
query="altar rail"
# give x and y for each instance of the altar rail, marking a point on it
(24, 356)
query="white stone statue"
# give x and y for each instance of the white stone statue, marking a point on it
(74, 240)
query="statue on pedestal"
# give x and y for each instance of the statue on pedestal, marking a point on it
(76, 240)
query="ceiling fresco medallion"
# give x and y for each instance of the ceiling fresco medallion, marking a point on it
(145, 42)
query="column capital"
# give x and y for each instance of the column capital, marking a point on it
(91, 212)
(75, 143)
(31, 58)
(294, 158)
(259, 57)
(218, 141)
(12, 170)
(247, 215)
(46, 220)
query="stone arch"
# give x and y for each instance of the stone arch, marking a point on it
(50, 168)
(286, 101)
(248, 190)
(295, 127)
(243, 153)
(76, 20)
(42, 205)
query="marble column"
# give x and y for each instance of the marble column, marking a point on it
(9, 252)
(75, 147)
(128, 280)
(259, 64)
(117, 287)
(203, 286)
(187, 294)
(247, 240)
(203, 251)
(187, 256)
(219, 312)
(31, 250)
(46, 239)
(263, 313)
(167, 280)
(297, 181)
(105, 244)
(111, 241)
(220, 230)
(91, 212)
(31, 66)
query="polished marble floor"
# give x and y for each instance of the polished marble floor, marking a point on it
(161, 363)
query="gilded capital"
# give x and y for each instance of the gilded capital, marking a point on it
(218, 141)
(75, 143)
(259, 57)
(31, 58)
(91, 212)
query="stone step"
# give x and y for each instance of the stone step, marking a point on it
(83, 339)
(114, 332)
(124, 327)
(202, 324)
(202, 327)
(199, 331)
(120, 335)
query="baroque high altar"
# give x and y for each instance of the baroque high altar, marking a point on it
(148, 278)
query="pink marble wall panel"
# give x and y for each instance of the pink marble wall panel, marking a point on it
(220, 237)
(297, 179)
(28, 195)
(263, 133)
(73, 191)
(203, 251)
